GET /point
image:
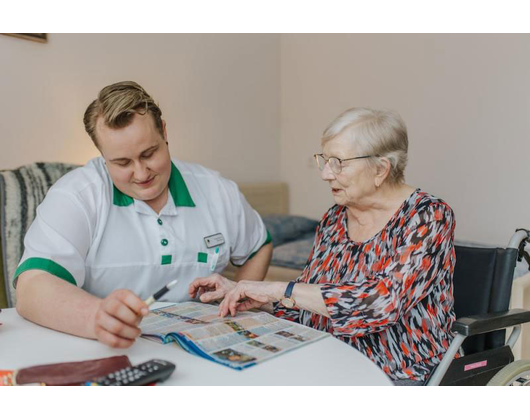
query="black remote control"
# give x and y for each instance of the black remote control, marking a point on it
(145, 373)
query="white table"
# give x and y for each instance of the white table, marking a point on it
(325, 362)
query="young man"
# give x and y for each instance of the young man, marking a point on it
(113, 232)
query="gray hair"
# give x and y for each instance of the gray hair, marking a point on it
(378, 133)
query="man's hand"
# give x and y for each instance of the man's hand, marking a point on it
(117, 318)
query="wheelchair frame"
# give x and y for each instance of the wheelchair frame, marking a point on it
(506, 373)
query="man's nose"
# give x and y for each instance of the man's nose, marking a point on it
(141, 171)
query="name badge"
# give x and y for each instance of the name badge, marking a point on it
(214, 240)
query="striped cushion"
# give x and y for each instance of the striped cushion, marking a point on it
(3, 297)
(21, 191)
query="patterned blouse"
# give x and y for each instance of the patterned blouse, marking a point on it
(391, 296)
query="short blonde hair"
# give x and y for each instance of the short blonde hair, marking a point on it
(117, 104)
(378, 133)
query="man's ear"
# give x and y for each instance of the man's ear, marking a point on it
(164, 130)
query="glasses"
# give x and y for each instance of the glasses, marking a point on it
(335, 164)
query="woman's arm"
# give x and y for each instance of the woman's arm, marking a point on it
(250, 294)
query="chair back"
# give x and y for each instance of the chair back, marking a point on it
(483, 283)
(21, 191)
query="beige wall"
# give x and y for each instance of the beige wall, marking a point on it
(254, 106)
(466, 102)
(219, 95)
(521, 299)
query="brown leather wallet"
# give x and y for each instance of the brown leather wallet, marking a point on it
(72, 373)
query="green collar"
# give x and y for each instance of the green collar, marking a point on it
(177, 188)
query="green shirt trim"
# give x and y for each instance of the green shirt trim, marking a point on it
(166, 259)
(121, 199)
(45, 265)
(177, 187)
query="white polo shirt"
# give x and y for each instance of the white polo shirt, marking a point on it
(92, 235)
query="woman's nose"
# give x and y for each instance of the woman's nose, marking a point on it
(326, 173)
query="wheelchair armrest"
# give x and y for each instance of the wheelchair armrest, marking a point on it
(480, 324)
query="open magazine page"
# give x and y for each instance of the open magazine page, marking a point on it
(239, 342)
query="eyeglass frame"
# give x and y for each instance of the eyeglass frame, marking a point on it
(316, 155)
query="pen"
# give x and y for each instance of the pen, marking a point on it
(150, 300)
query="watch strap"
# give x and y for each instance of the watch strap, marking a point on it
(289, 290)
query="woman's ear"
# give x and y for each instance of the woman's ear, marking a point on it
(383, 170)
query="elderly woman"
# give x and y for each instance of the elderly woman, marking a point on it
(379, 276)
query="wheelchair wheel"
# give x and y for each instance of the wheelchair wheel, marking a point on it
(515, 374)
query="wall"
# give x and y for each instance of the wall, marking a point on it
(465, 99)
(219, 95)
(466, 102)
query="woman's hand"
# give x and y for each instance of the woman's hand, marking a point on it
(249, 295)
(210, 288)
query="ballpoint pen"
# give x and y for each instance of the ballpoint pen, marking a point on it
(152, 299)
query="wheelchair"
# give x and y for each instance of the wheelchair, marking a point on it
(482, 287)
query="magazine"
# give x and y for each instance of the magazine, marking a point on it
(237, 342)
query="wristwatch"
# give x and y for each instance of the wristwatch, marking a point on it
(287, 300)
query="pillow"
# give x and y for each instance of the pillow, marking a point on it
(285, 228)
(293, 254)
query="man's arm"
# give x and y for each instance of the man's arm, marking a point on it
(256, 268)
(54, 303)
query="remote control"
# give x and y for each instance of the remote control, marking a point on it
(145, 373)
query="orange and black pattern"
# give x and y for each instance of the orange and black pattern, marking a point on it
(391, 297)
